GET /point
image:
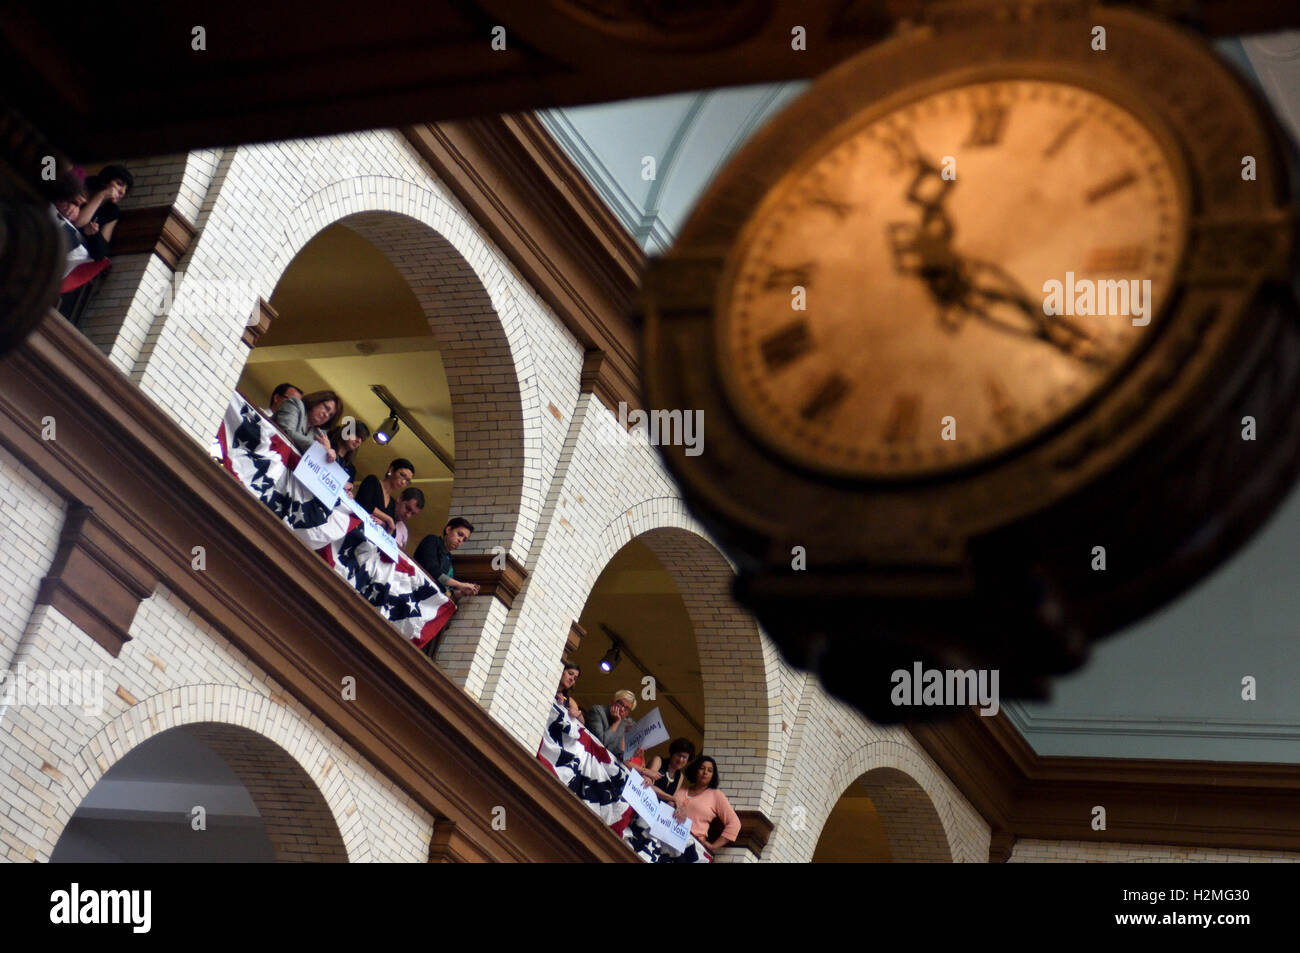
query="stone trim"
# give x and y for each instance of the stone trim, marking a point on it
(96, 580)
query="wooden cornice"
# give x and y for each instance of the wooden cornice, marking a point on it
(1148, 801)
(576, 634)
(157, 491)
(532, 200)
(95, 579)
(159, 229)
(260, 322)
(755, 829)
(502, 583)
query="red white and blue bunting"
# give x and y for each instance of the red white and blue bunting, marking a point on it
(261, 459)
(596, 778)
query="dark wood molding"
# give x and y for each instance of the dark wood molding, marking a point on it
(156, 229)
(502, 583)
(156, 490)
(449, 846)
(599, 381)
(96, 580)
(755, 829)
(260, 323)
(576, 634)
(1001, 843)
(535, 204)
(1024, 795)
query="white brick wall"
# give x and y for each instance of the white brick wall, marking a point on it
(176, 671)
(31, 518)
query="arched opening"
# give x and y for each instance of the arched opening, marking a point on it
(884, 815)
(382, 300)
(636, 604)
(347, 321)
(664, 598)
(205, 792)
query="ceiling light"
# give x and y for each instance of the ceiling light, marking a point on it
(610, 659)
(387, 430)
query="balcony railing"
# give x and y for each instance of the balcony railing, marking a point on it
(256, 454)
(598, 779)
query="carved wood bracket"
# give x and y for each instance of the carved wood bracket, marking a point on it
(502, 583)
(97, 581)
(158, 229)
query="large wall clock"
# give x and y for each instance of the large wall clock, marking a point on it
(983, 312)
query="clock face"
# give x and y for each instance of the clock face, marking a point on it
(946, 280)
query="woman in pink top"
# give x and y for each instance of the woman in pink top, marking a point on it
(701, 801)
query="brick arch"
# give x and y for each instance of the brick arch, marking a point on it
(488, 403)
(742, 721)
(919, 819)
(460, 279)
(210, 708)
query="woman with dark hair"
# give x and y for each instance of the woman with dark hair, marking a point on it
(305, 419)
(379, 497)
(345, 449)
(700, 800)
(99, 215)
(562, 697)
(680, 753)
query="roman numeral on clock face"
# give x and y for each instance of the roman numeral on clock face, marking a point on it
(1062, 137)
(787, 278)
(1113, 259)
(989, 122)
(786, 344)
(904, 417)
(826, 398)
(837, 207)
(1115, 183)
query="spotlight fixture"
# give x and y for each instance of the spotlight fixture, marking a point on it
(388, 429)
(610, 659)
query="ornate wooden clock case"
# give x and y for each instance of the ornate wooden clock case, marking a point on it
(948, 453)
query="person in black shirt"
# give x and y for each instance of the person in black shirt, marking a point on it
(434, 556)
(379, 497)
(99, 215)
(680, 753)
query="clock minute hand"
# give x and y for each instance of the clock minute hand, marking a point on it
(991, 283)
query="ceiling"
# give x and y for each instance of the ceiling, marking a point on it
(687, 136)
(337, 287)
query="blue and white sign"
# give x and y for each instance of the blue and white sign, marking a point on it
(325, 480)
(641, 795)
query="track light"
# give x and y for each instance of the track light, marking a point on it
(387, 430)
(610, 659)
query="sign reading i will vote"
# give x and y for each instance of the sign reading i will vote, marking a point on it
(649, 731)
(375, 531)
(656, 813)
(324, 480)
